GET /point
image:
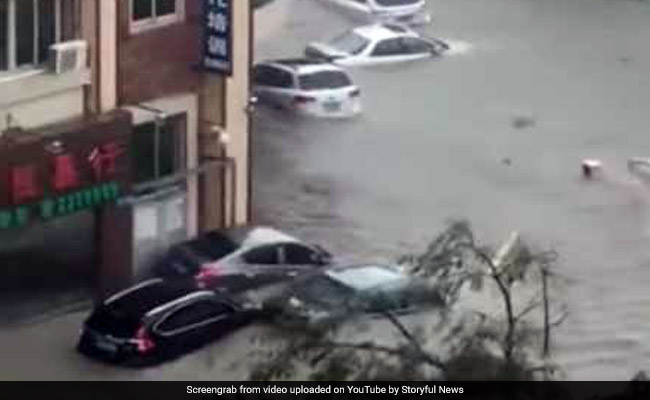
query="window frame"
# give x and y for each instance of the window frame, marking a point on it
(11, 37)
(155, 21)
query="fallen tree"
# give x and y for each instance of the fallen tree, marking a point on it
(477, 346)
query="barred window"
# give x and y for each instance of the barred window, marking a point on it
(147, 14)
(29, 27)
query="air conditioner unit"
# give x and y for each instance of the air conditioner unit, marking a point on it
(68, 56)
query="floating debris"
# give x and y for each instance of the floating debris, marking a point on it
(521, 122)
(590, 166)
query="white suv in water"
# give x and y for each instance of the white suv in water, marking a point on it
(375, 45)
(306, 86)
(403, 11)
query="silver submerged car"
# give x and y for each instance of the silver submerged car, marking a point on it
(241, 259)
(337, 293)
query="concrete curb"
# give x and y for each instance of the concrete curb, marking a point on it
(270, 18)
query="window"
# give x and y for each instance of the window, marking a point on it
(265, 255)
(279, 78)
(192, 316)
(262, 75)
(388, 47)
(29, 27)
(415, 46)
(299, 255)
(154, 159)
(146, 14)
(324, 80)
(271, 76)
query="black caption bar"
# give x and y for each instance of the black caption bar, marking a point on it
(327, 390)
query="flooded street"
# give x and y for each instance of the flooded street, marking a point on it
(541, 84)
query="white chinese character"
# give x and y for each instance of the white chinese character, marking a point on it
(221, 23)
(212, 18)
(218, 46)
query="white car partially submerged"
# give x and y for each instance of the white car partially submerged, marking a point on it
(376, 44)
(411, 12)
(307, 86)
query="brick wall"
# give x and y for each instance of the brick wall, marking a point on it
(159, 62)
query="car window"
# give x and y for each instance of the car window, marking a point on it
(262, 75)
(266, 75)
(415, 45)
(192, 314)
(324, 80)
(298, 255)
(388, 47)
(265, 255)
(282, 78)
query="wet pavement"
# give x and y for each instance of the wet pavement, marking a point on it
(495, 133)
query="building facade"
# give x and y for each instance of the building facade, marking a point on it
(115, 141)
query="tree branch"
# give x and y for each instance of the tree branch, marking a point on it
(560, 319)
(413, 341)
(532, 304)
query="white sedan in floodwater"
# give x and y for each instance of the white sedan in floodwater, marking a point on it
(307, 87)
(412, 12)
(376, 44)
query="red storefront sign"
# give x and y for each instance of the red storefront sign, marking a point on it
(64, 169)
(67, 171)
(23, 183)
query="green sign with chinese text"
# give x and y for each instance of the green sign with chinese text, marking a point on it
(59, 206)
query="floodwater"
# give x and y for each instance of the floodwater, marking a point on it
(495, 133)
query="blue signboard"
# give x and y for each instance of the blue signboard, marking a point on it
(217, 46)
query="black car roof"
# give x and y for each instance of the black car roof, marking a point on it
(140, 299)
(214, 244)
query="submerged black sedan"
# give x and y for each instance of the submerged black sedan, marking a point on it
(158, 320)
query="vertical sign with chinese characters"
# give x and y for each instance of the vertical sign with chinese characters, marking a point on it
(217, 37)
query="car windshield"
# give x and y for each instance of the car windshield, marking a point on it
(350, 43)
(324, 80)
(368, 277)
(323, 291)
(395, 2)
